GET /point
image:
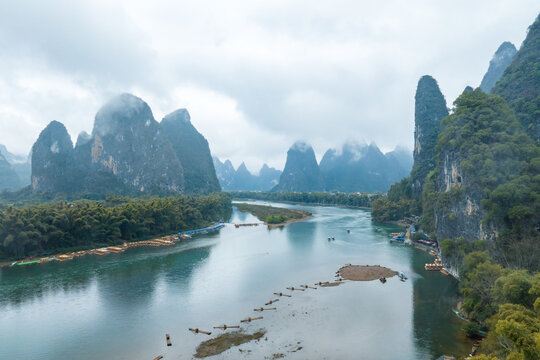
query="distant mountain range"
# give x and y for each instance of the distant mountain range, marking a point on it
(242, 179)
(15, 170)
(354, 168)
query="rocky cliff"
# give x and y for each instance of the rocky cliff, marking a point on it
(53, 161)
(500, 61)
(128, 142)
(193, 152)
(127, 152)
(482, 150)
(430, 109)
(520, 83)
(301, 172)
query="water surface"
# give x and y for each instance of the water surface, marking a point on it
(120, 306)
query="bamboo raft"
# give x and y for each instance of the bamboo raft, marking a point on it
(249, 224)
(271, 302)
(168, 338)
(225, 327)
(197, 331)
(282, 294)
(250, 319)
(293, 289)
(264, 309)
(308, 287)
(435, 266)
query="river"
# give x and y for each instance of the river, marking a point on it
(120, 306)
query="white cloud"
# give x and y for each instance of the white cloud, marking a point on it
(255, 76)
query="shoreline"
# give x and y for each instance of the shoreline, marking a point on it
(271, 226)
(167, 240)
(306, 203)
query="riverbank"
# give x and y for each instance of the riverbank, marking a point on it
(161, 241)
(271, 226)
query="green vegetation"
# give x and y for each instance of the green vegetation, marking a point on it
(317, 198)
(273, 215)
(34, 229)
(506, 303)
(520, 82)
(430, 109)
(399, 203)
(498, 160)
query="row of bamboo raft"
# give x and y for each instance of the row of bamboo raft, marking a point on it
(250, 319)
(164, 241)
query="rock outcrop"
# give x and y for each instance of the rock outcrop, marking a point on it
(128, 152)
(430, 109)
(301, 172)
(53, 161)
(128, 142)
(500, 61)
(193, 152)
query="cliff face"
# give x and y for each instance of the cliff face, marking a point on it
(520, 83)
(459, 214)
(193, 152)
(500, 61)
(127, 152)
(430, 109)
(127, 141)
(301, 172)
(52, 160)
(482, 150)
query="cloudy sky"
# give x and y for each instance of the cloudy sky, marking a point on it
(255, 76)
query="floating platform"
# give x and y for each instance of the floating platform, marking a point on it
(203, 230)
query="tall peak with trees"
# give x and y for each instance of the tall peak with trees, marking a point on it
(301, 172)
(429, 110)
(500, 61)
(520, 83)
(193, 151)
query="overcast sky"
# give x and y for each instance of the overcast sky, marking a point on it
(254, 76)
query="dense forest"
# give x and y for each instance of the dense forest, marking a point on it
(318, 198)
(43, 228)
(504, 301)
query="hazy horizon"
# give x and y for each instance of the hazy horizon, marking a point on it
(255, 78)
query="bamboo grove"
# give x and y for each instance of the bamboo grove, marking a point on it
(46, 228)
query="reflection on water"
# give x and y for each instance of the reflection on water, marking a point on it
(120, 306)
